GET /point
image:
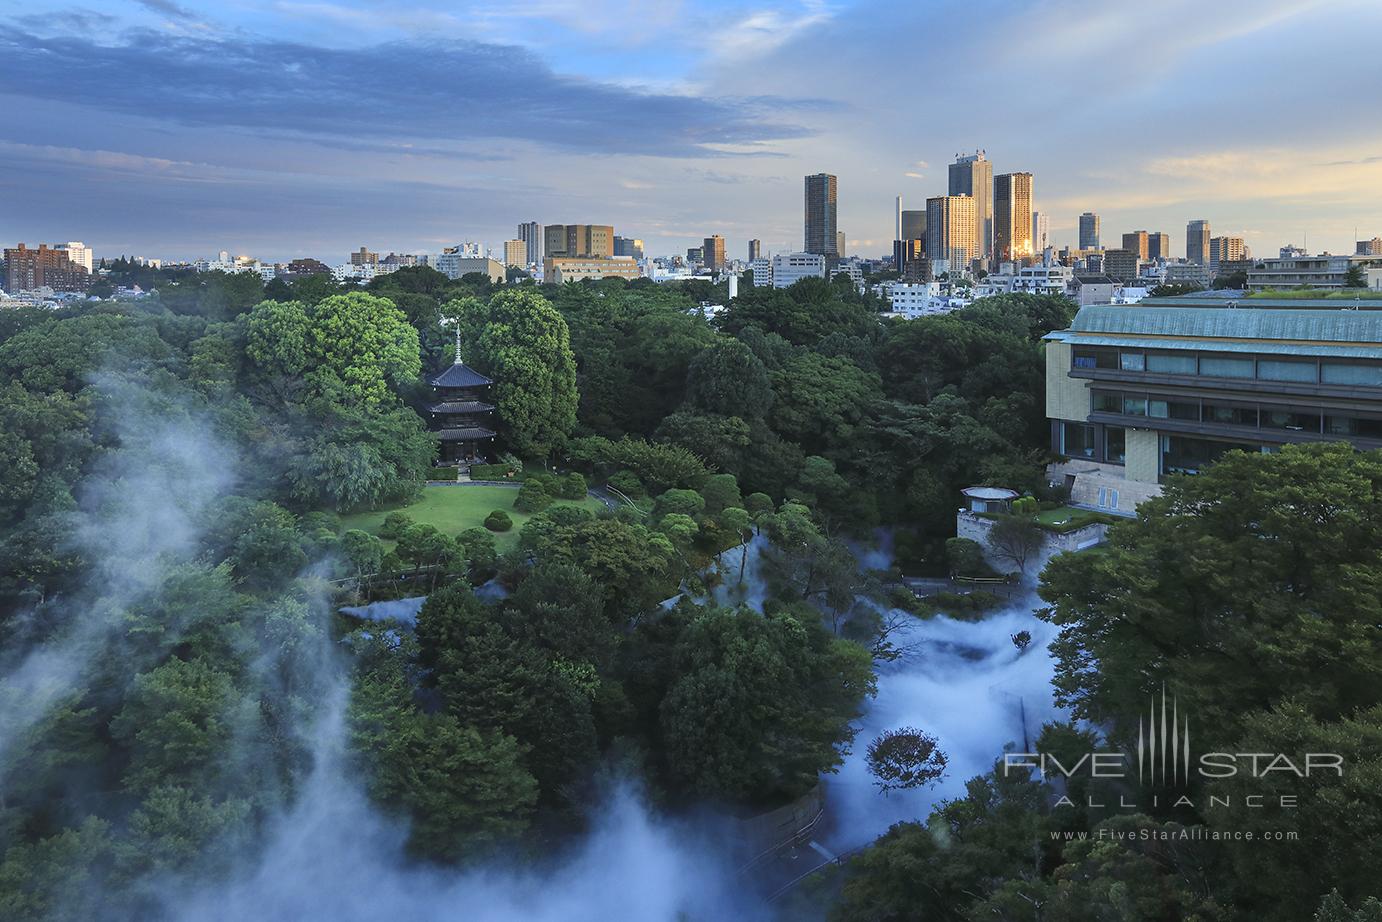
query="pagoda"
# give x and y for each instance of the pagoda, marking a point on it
(460, 414)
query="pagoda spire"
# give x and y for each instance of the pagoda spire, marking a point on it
(458, 345)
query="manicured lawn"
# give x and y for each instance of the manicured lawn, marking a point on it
(1068, 518)
(451, 510)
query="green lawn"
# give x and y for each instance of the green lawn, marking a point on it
(454, 509)
(1068, 518)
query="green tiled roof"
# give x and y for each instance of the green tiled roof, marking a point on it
(1314, 326)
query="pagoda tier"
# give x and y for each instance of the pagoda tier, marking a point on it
(461, 414)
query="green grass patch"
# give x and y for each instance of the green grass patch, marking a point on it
(1317, 294)
(451, 510)
(1068, 518)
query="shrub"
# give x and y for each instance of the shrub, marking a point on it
(532, 498)
(965, 557)
(495, 472)
(394, 525)
(572, 486)
(1025, 506)
(627, 482)
(498, 520)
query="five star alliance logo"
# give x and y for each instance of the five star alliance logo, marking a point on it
(1163, 744)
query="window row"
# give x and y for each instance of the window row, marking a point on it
(1226, 413)
(1296, 371)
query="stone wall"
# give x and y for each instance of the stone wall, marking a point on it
(976, 528)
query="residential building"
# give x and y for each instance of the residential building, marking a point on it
(80, 254)
(790, 268)
(1122, 264)
(1306, 271)
(533, 237)
(515, 253)
(755, 249)
(1188, 274)
(1012, 216)
(1041, 231)
(1371, 247)
(1094, 289)
(560, 269)
(1197, 242)
(1137, 242)
(713, 253)
(821, 205)
(1226, 249)
(1089, 231)
(628, 246)
(1158, 245)
(1135, 394)
(578, 240)
(695, 255)
(46, 267)
(363, 257)
(972, 175)
(918, 299)
(762, 270)
(951, 230)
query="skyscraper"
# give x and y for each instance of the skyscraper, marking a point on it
(1041, 231)
(1012, 215)
(820, 215)
(972, 174)
(628, 246)
(531, 235)
(1089, 231)
(897, 223)
(1226, 249)
(839, 243)
(913, 225)
(951, 231)
(713, 253)
(1197, 242)
(755, 249)
(1158, 245)
(1137, 243)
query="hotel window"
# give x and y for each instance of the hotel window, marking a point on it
(1134, 406)
(1362, 427)
(1173, 409)
(1229, 415)
(1171, 364)
(1282, 418)
(1108, 402)
(1273, 370)
(1132, 361)
(1115, 444)
(1094, 358)
(1360, 375)
(1077, 440)
(1215, 367)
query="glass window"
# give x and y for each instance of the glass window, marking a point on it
(1132, 361)
(1108, 402)
(1362, 427)
(1173, 409)
(1182, 455)
(1169, 364)
(1229, 415)
(1283, 418)
(1360, 375)
(1134, 406)
(1275, 370)
(1077, 440)
(1095, 358)
(1216, 367)
(1115, 444)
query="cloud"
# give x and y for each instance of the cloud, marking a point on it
(449, 91)
(167, 8)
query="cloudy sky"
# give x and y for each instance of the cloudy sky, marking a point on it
(279, 128)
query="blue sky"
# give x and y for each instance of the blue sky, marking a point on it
(280, 128)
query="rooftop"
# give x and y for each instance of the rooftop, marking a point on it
(459, 375)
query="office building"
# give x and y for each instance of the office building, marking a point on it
(1089, 231)
(45, 267)
(713, 253)
(1137, 393)
(1226, 249)
(897, 218)
(913, 225)
(515, 253)
(951, 230)
(972, 175)
(1188, 274)
(820, 231)
(454, 263)
(1012, 216)
(533, 238)
(1136, 242)
(557, 270)
(578, 240)
(1371, 247)
(840, 243)
(695, 255)
(1158, 245)
(790, 268)
(628, 246)
(762, 270)
(1041, 231)
(907, 254)
(755, 249)
(1197, 242)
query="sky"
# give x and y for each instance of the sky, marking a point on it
(285, 128)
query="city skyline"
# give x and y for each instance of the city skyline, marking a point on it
(177, 130)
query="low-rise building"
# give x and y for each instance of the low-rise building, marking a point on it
(1137, 393)
(560, 269)
(790, 268)
(1323, 271)
(454, 265)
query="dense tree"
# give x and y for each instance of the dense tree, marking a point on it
(728, 379)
